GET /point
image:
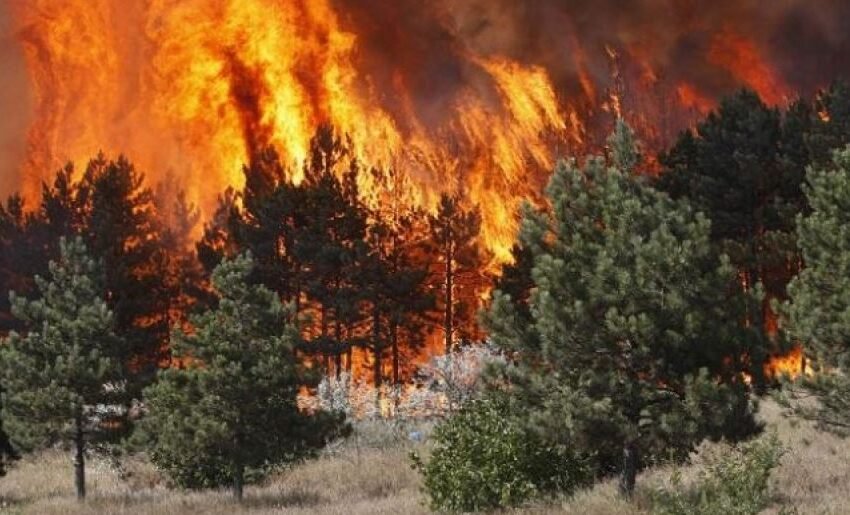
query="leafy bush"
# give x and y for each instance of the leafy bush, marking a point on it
(484, 457)
(197, 471)
(734, 483)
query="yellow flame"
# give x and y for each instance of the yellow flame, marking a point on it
(204, 78)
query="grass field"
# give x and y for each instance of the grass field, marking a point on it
(371, 473)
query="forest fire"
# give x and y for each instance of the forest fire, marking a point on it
(533, 249)
(474, 98)
(455, 94)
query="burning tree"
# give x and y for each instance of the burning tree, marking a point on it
(743, 167)
(230, 412)
(60, 377)
(393, 279)
(632, 345)
(454, 229)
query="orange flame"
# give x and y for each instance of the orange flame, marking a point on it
(691, 98)
(206, 83)
(192, 88)
(743, 59)
(793, 365)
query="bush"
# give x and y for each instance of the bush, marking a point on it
(484, 458)
(198, 471)
(734, 483)
(443, 384)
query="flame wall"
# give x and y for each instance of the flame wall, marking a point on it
(471, 95)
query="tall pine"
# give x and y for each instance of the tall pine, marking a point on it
(229, 414)
(119, 226)
(60, 376)
(393, 278)
(819, 308)
(454, 232)
(630, 346)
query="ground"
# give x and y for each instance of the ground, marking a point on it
(371, 474)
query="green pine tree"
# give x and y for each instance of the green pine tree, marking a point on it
(633, 348)
(818, 313)
(623, 147)
(228, 413)
(60, 376)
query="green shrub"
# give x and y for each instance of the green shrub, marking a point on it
(197, 471)
(735, 483)
(484, 457)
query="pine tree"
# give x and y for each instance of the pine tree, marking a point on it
(181, 275)
(454, 230)
(308, 239)
(59, 377)
(632, 348)
(393, 278)
(119, 227)
(819, 309)
(330, 241)
(743, 167)
(16, 256)
(731, 170)
(230, 413)
(623, 147)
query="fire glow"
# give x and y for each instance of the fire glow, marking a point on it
(471, 96)
(458, 95)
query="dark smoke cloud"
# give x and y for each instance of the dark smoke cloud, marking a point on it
(806, 40)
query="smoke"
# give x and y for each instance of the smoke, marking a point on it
(806, 40)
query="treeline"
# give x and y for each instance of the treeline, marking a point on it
(641, 313)
(744, 167)
(367, 269)
(374, 275)
(638, 314)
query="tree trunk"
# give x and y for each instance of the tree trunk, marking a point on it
(394, 338)
(629, 472)
(449, 322)
(238, 481)
(80, 458)
(338, 344)
(377, 348)
(377, 351)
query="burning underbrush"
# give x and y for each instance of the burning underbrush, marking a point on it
(440, 386)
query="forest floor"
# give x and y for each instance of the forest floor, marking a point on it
(371, 474)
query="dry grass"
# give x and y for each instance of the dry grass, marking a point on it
(371, 474)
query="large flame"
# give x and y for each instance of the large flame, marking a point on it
(469, 95)
(208, 83)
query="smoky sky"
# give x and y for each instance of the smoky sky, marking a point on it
(805, 40)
